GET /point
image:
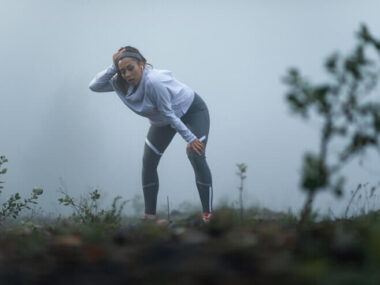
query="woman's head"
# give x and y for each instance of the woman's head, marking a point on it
(130, 64)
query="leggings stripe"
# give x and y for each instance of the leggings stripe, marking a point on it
(207, 208)
(150, 184)
(152, 147)
(206, 184)
(210, 199)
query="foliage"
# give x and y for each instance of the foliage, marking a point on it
(87, 210)
(350, 116)
(363, 200)
(15, 203)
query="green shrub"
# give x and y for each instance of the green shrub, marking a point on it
(87, 211)
(15, 203)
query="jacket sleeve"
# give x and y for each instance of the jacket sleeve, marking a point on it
(162, 98)
(101, 81)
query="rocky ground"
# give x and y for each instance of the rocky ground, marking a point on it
(227, 251)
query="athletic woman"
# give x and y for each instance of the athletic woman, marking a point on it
(171, 107)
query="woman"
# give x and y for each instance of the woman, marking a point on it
(171, 107)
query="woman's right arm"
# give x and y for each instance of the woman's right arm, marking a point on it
(101, 81)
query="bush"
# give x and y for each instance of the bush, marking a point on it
(87, 211)
(15, 204)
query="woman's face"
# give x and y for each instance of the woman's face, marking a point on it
(131, 70)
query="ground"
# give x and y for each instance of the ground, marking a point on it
(229, 250)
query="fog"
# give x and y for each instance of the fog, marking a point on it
(233, 53)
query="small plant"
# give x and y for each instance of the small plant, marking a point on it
(242, 169)
(15, 204)
(3, 160)
(137, 204)
(364, 202)
(290, 218)
(87, 211)
(168, 205)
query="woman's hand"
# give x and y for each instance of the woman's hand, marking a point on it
(196, 145)
(117, 54)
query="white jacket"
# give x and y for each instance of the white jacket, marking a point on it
(159, 97)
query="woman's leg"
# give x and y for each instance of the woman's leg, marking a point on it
(197, 120)
(157, 141)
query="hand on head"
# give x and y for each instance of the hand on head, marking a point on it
(117, 54)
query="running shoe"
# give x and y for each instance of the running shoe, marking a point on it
(148, 217)
(207, 217)
(154, 219)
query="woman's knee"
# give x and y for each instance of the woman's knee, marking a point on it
(195, 157)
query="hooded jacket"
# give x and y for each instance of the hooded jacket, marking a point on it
(159, 97)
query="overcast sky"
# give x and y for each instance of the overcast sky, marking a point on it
(232, 53)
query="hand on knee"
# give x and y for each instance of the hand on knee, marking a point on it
(197, 146)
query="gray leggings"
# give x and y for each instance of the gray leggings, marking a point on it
(198, 121)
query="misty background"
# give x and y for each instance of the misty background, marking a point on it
(55, 131)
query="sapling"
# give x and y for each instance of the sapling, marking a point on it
(242, 169)
(348, 111)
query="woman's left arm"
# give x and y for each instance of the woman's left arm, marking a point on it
(163, 102)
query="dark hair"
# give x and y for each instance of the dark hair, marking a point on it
(121, 83)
